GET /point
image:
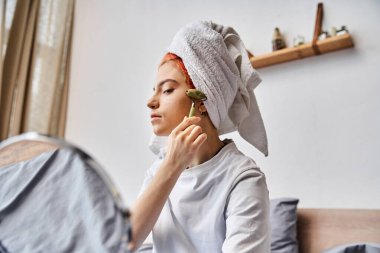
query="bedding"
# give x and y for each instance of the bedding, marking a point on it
(355, 248)
(283, 222)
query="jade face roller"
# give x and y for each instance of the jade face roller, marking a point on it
(195, 96)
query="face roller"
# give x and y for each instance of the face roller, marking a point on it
(195, 96)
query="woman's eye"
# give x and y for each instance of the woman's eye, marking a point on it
(167, 91)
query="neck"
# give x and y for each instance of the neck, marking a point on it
(210, 147)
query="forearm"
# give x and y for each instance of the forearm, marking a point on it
(148, 206)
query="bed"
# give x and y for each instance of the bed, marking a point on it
(321, 229)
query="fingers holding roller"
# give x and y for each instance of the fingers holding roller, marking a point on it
(194, 132)
(185, 124)
(199, 140)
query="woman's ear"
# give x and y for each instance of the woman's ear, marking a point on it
(202, 108)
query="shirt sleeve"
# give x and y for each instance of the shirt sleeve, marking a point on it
(149, 174)
(247, 215)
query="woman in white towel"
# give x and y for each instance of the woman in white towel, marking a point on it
(202, 194)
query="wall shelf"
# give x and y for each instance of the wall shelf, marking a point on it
(307, 50)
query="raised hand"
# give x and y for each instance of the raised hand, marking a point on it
(184, 142)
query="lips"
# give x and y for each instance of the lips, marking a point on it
(155, 116)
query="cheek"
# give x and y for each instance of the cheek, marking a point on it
(178, 103)
(183, 105)
(178, 108)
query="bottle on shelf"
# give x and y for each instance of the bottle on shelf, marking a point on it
(332, 31)
(278, 41)
(298, 40)
(323, 35)
(342, 30)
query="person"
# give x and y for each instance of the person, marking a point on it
(203, 194)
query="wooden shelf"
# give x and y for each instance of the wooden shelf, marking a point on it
(295, 53)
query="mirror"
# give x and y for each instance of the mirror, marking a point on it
(55, 196)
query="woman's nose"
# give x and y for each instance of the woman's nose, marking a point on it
(152, 103)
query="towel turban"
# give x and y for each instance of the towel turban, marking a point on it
(218, 64)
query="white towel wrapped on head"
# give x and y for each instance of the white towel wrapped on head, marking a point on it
(218, 64)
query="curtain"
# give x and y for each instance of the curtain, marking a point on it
(35, 42)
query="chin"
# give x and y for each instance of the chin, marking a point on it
(160, 132)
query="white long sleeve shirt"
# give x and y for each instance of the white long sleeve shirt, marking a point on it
(221, 205)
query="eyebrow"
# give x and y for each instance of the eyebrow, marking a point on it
(164, 81)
